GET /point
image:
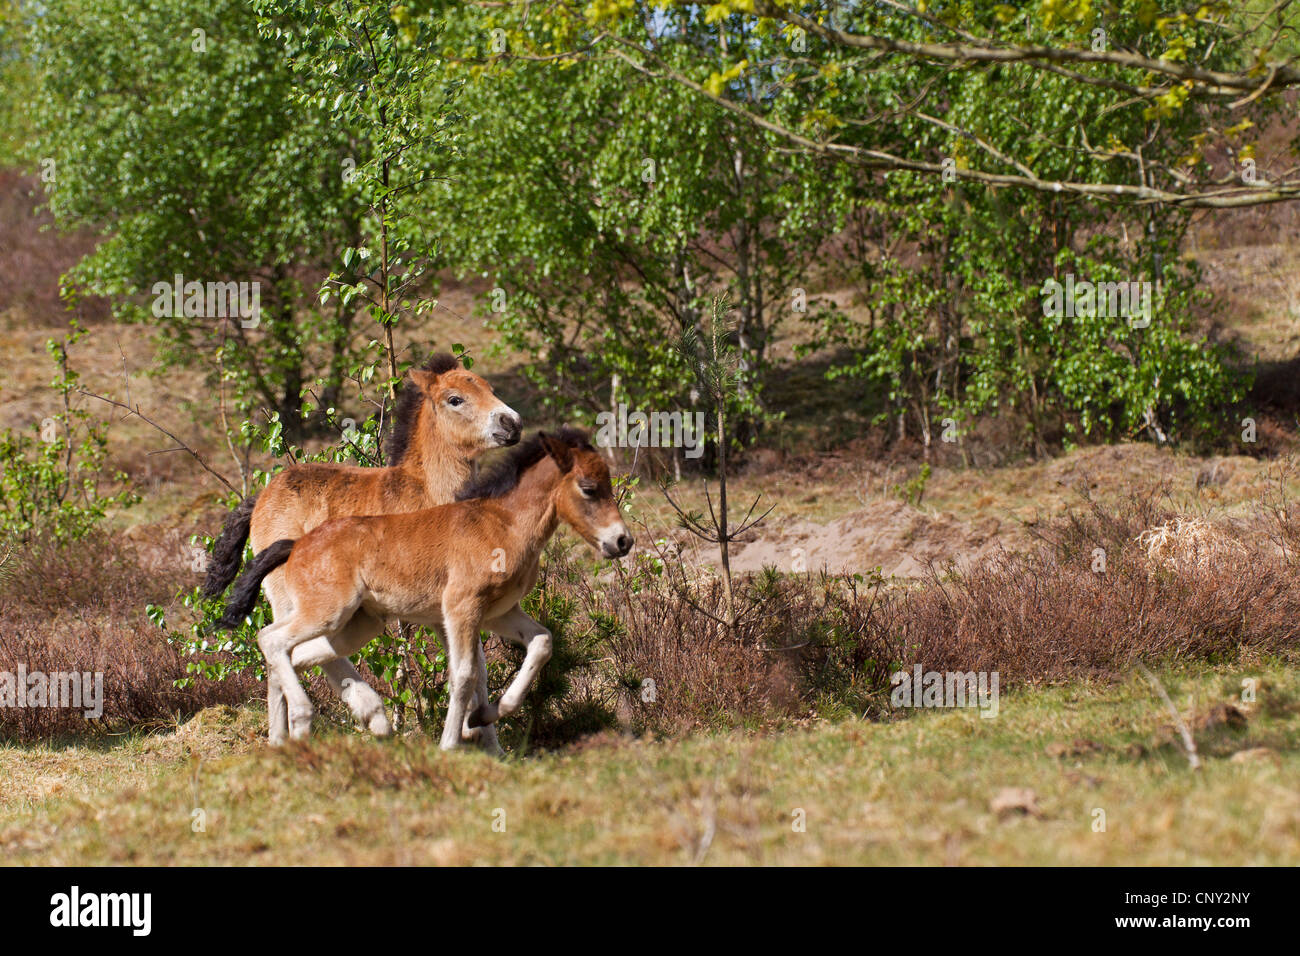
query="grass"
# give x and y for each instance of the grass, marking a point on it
(908, 791)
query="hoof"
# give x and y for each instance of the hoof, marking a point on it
(300, 726)
(481, 716)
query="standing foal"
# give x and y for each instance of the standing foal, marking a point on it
(457, 567)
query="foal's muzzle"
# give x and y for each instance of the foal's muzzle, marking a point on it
(508, 428)
(617, 548)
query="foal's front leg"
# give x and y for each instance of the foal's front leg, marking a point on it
(460, 631)
(518, 628)
(485, 736)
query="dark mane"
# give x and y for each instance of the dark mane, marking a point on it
(496, 480)
(407, 409)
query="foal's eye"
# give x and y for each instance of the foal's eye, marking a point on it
(455, 400)
(588, 491)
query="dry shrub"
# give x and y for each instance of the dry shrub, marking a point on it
(1176, 589)
(100, 569)
(1032, 617)
(675, 665)
(1277, 513)
(79, 607)
(1173, 588)
(679, 668)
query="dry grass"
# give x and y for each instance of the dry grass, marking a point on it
(1190, 545)
(80, 608)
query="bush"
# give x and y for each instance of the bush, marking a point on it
(569, 699)
(75, 607)
(672, 665)
(50, 479)
(1170, 589)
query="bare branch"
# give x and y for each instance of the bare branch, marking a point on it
(1213, 82)
(180, 445)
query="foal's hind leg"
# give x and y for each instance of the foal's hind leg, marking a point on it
(277, 712)
(332, 655)
(366, 705)
(283, 689)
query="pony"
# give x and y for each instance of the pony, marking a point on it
(457, 568)
(445, 417)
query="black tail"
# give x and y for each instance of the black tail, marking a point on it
(228, 554)
(249, 585)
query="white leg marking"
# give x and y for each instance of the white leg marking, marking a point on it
(332, 655)
(519, 628)
(276, 641)
(462, 674)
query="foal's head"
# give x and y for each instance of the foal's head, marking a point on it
(585, 498)
(459, 405)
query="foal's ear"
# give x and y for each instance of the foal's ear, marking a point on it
(558, 450)
(423, 380)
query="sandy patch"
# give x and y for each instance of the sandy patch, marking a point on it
(901, 540)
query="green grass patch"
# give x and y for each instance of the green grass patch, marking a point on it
(922, 789)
